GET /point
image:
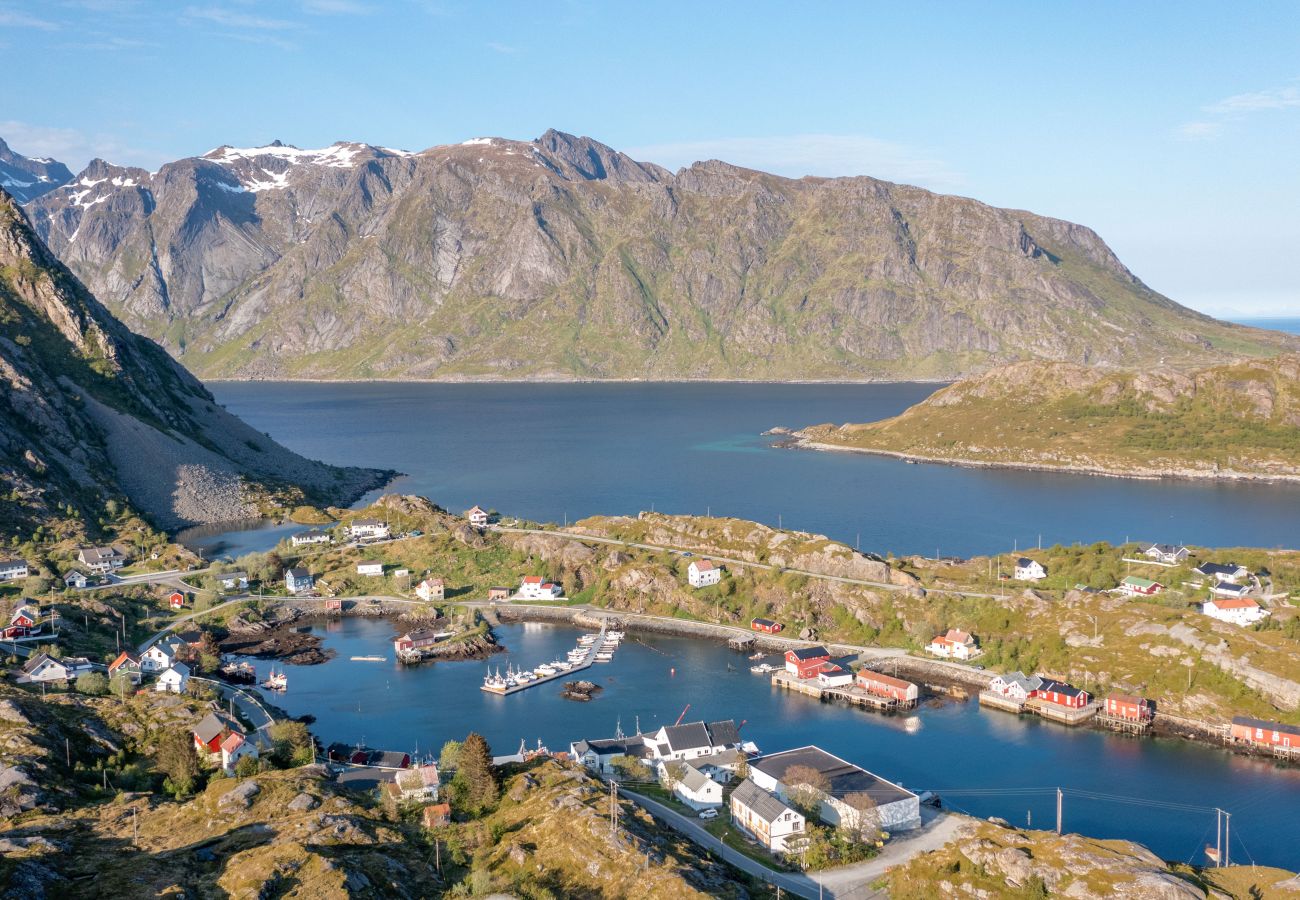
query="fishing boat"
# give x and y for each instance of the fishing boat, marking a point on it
(759, 655)
(369, 658)
(762, 668)
(588, 639)
(1212, 853)
(615, 636)
(544, 670)
(276, 681)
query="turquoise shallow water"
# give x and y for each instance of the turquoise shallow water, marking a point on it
(550, 452)
(956, 748)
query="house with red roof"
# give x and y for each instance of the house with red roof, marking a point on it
(535, 587)
(234, 747)
(126, 666)
(703, 572)
(882, 685)
(955, 644)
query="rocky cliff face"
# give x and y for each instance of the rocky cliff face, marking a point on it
(561, 257)
(90, 411)
(26, 178)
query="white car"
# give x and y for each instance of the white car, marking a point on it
(708, 814)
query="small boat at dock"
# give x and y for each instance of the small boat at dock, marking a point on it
(369, 658)
(276, 681)
(759, 655)
(762, 669)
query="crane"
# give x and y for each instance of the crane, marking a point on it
(683, 715)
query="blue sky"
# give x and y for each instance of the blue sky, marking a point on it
(1174, 131)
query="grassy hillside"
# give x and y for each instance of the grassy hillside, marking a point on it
(1240, 420)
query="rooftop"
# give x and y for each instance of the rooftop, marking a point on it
(767, 807)
(844, 777)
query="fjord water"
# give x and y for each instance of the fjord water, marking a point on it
(548, 452)
(954, 748)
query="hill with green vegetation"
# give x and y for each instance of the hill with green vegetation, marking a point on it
(561, 258)
(95, 419)
(1239, 420)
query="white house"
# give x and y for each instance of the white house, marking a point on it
(1235, 610)
(692, 787)
(419, 783)
(303, 538)
(692, 740)
(833, 675)
(1016, 685)
(765, 817)
(1229, 572)
(101, 559)
(44, 668)
(161, 656)
(233, 580)
(597, 754)
(430, 589)
(1029, 570)
(370, 568)
(369, 530)
(896, 808)
(75, 579)
(478, 517)
(1228, 589)
(955, 644)
(13, 569)
(534, 587)
(1137, 586)
(1166, 553)
(175, 680)
(703, 572)
(298, 580)
(234, 748)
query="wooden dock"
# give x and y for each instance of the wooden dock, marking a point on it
(1124, 725)
(1062, 714)
(743, 644)
(1001, 701)
(852, 696)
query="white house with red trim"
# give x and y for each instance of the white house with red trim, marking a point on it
(234, 748)
(955, 644)
(535, 587)
(703, 572)
(1235, 610)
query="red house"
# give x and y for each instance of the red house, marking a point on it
(887, 686)
(176, 599)
(1265, 734)
(22, 623)
(766, 625)
(807, 661)
(1124, 706)
(214, 728)
(1061, 694)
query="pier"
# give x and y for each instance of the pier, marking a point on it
(586, 662)
(850, 695)
(1063, 714)
(1001, 701)
(1125, 725)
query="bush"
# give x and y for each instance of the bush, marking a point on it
(247, 766)
(93, 684)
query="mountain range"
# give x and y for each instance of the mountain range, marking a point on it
(27, 178)
(90, 412)
(563, 258)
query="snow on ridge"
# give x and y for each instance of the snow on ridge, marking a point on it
(337, 156)
(231, 188)
(90, 182)
(278, 181)
(476, 142)
(121, 181)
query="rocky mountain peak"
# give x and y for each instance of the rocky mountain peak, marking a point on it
(594, 161)
(26, 178)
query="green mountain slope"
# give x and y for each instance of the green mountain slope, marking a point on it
(1238, 420)
(562, 258)
(91, 412)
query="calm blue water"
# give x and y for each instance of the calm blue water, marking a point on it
(547, 452)
(1288, 324)
(957, 747)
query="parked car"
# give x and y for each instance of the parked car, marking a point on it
(708, 814)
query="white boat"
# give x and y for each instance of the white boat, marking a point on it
(276, 681)
(369, 658)
(604, 657)
(544, 669)
(588, 639)
(614, 635)
(762, 668)
(759, 655)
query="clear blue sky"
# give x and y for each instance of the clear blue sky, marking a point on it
(1172, 130)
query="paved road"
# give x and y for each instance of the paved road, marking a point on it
(249, 705)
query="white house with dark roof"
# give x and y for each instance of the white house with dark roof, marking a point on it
(369, 568)
(1016, 685)
(315, 536)
(1166, 554)
(13, 569)
(44, 668)
(691, 786)
(693, 740)
(896, 808)
(75, 579)
(703, 572)
(1029, 570)
(597, 754)
(101, 559)
(158, 658)
(175, 680)
(298, 580)
(232, 581)
(1229, 572)
(369, 530)
(765, 816)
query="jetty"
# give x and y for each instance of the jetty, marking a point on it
(591, 649)
(851, 695)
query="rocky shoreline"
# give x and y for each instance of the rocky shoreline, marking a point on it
(794, 440)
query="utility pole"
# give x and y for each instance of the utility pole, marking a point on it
(1058, 811)
(67, 751)
(613, 806)
(135, 827)
(1227, 838)
(1218, 837)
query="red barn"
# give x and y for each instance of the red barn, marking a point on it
(176, 599)
(22, 623)
(887, 686)
(1061, 694)
(806, 662)
(1124, 706)
(1267, 734)
(766, 625)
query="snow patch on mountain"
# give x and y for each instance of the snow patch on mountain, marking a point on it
(338, 156)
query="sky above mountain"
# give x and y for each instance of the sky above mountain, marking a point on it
(1175, 136)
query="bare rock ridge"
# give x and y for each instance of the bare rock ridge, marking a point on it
(564, 258)
(90, 411)
(26, 178)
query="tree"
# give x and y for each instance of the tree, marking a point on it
(176, 760)
(92, 683)
(450, 756)
(474, 788)
(291, 744)
(627, 767)
(247, 766)
(805, 787)
(864, 822)
(122, 686)
(674, 772)
(742, 764)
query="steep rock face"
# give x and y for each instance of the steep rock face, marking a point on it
(26, 178)
(90, 411)
(562, 257)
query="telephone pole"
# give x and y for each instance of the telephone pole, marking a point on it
(1218, 837)
(1227, 837)
(613, 806)
(1058, 810)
